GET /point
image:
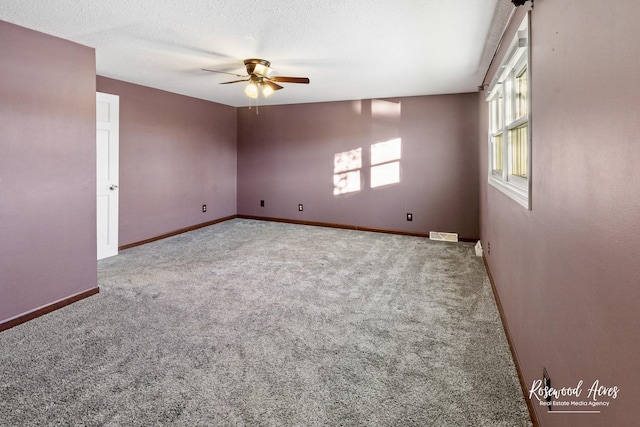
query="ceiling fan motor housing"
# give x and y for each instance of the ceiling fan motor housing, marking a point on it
(257, 66)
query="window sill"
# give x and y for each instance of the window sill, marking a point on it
(515, 192)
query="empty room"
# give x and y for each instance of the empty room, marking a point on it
(278, 213)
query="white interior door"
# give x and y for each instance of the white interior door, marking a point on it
(107, 142)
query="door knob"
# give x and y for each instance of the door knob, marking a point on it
(113, 187)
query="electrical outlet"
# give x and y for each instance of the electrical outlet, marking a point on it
(409, 217)
(204, 208)
(488, 248)
(300, 209)
(546, 384)
(262, 203)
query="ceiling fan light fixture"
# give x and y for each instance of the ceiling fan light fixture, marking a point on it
(266, 91)
(262, 70)
(268, 88)
(251, 90)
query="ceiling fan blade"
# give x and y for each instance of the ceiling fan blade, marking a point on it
(283, 79)
(224, 72)
(235, 81)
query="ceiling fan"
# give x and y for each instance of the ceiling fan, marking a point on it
(258, 71)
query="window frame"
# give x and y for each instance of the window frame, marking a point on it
(503, 86)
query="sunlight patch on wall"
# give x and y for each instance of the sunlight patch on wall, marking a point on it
(386, 174)
(356, 107)
(381, 108)
(346, 171)
(385, 162)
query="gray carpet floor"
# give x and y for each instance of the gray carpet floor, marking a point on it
(253, 323)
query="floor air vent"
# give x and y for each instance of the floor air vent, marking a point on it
(443, 237)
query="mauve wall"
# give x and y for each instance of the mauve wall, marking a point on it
(286, 156)
(176, 154)
(567, 272)
(47, 170)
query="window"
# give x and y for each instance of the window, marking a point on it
(509, 116)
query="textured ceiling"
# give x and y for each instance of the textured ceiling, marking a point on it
(356, 49)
